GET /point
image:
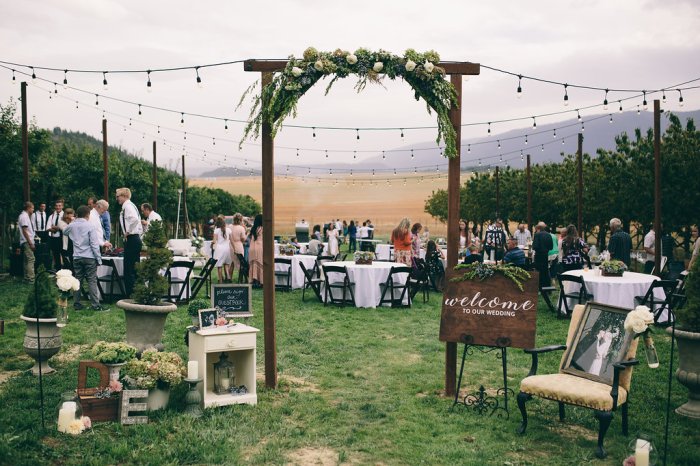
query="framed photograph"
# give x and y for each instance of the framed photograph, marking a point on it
(598, 343)
(207, 318)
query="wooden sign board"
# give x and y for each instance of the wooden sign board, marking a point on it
(493, 312)
(233, 299)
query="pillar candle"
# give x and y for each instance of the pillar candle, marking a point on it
(641, 453)
(225, 384)
(66, 415)
(192, 370)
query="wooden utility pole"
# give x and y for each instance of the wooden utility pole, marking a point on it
(529, 195)
(25, 143)
(184, 199)
(657, 187)
(498, 195)
(105, 161)
(579, 184)
(154, 194)
(267, 68)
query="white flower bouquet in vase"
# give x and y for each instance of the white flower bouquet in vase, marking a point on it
(67, 284)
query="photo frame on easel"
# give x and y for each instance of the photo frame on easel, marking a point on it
(207, 318)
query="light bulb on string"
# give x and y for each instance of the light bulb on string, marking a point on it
(159, 133)
(411, 154)
(499, 143)
(663, 96)
(225, 125)
(554, 133)
(611, 119)
(526, 139)
(97, 100)
(645, 106)
(105, 86)
(33, 73)
(578, 115)
(184, 137)
(566, 95)
(182, 118)
(14, 79)
(326, 153)
(401, 132)
(680, 98)
(415, 170)
(638, 112)
(149, 88)
(65, 79)
(373, 172)
(542, 147)
(313, 132)
(394, 172)
(50, 96)
(76, 104)
(605, 101)
(140, 109)
(213, 141)
(357, 130)
(500, 158)
(519, 92)
(583, 128)
(199, 80)
(620, 109)
(383, 155)
(55, 88)
(534, 122)
(354, 154)
(297, 152)
(563, 141)
(489, 129)
(469, 148)
(522, 157)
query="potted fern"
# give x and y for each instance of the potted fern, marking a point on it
(688, 336)
(146, 313)
(40, 317)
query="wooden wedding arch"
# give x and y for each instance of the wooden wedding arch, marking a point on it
(267, 68)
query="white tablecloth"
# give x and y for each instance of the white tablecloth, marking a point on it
(383, 252)
(297, 273)
(367, 279)
(206, 249)
(178, 274)
(614, 291)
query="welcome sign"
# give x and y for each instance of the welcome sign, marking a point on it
(493, 312)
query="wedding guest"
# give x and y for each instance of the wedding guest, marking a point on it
(99, 207)
(463, 234)
(650, 249)
(333, 248)
(433, 261)
(364, 234)
(67, 250)
(55, 241)
(104, 220)
(542, 244)
(86, 256)
(522, 234)
(317, 232)
(514, 255)
(495, 240)
(473, 255)
(255, 253)
(40, 222)
(150, 214)
(401, 239)
(26, 241)
(237, 239)
(620, 243)
(696, 246)
(415, 239)
(345, 228)
(130, 222)
(352, 236)
(573, 250)
(222, 251)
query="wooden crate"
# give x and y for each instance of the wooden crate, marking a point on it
(97, 409)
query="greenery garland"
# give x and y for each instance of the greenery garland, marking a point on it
(478, 270)
(279, 98)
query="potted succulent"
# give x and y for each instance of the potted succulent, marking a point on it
(39, 314)
(113, 355)
(156, 372)
(687, 334)
(363, 257)
(194, 307)
(612, 268)
(146, 313)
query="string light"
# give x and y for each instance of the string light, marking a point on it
(213, 141)
(33, 73)
(534, 122)
(499, 143)
(469, 148)
(566, 95)
(638, 110)
(159, 133)
(182, 118)
(605, 101)
(76, 104)
(583, 128)
(411, 154)
(149, 88)
(225, 125)
(357, 130)
(519, 92)
(611, 119)
(526, 139)
(554, 133)
(139, 109)
(578, 115)
(620, 109)
(65, 79)
(680, 98)
(644, 102)
(542, 147)
(354, 154)
(97, 101)
(105, 86)
(297, 152)
(13, 76)
(663, 97)
(521, 155)
(199, 80)
(563, 141)
(326, 153)
(401, 132)
(55, 88)
(489, 129)
(383, 155)
(314, 132)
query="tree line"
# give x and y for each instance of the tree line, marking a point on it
(617, 183)
(68, 165)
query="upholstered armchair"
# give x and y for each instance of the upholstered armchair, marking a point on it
(565, 388)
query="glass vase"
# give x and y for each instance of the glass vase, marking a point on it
(62, 314)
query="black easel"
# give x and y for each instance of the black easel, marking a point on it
(479, 401)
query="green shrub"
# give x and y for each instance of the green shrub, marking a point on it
(42, 302)
(151, 286)
(689, 315)
(196, 305)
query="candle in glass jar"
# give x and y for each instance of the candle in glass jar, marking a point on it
(192, 369)
(641, 453)
(225, 384)
(66, 415)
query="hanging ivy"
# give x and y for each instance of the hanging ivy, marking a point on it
(279, 98)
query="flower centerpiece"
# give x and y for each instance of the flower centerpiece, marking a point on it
(156, 372)
(67, 284)
(287, 249)
(113, 355)
(39, 315)
(613, 268)
(197, 243)
(364, 257)
(481, 271)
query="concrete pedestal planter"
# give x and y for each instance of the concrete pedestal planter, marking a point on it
(688, 372)
(145, 323)
(50, 339)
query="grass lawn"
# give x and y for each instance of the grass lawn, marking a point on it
(357, 386)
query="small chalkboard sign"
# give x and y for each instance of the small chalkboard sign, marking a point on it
(233, 299)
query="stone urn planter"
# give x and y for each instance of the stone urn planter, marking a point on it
(688, 372)
(145, 323)
(49, 336)
(158, 398)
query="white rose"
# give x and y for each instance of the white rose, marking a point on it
(378, 66)
(410, 65)
(65, 283)
(427, 66)
(76, 284)
(635, 323)
(64, 273)
(645, 313)
(351, 58)
(296, 71)
(318, 65)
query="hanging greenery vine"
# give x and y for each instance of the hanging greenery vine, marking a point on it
(480, 271)
(279, 99)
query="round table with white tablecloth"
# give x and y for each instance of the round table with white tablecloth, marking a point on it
(177, 273)
(367, 279)
(297, 273)
(614, 291)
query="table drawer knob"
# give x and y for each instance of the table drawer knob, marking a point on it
(232, 344)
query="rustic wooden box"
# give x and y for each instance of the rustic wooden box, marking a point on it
(97, 409)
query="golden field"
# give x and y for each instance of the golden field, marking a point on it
(319, 202)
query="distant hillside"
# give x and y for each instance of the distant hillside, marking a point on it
(598, 133)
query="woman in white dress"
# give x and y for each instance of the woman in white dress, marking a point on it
(333, 249)
(222, 251)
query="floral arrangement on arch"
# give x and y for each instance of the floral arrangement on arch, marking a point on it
(481, 271)
(154, 369)
(421, 71)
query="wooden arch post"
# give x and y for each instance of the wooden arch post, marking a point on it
(267, 67)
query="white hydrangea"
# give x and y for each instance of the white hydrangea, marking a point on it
(296, 71)
(64, 273)
(351, 58)
(638, 319)
(378, 66)
(76, 284)
(410, 65)
(65, 283)
(427, 66)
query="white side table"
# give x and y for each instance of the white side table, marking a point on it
(238, 342)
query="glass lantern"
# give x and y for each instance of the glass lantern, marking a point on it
(643, 450)
(69, 409)
(224, 375)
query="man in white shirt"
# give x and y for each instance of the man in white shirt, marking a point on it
(150, 214)
(55, 234)
(98, 208)
(523, 235)
(26, 241)
(40, 222)
(649, 248)
(363, 233)
(130, 223)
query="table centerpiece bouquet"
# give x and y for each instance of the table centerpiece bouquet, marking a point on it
(287, 249)
(197, 242)
(363, 257)
(613, 268)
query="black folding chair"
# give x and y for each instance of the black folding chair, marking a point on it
(420, 280)
(310, 281)
(395, 284)
(182, 284)
(285, 275)
(112, 278)
(204, 278)
(320, 260)
(334, 282)
(243, 270)
(657, 306)
(581, 296)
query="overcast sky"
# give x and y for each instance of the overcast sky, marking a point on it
(621, 44)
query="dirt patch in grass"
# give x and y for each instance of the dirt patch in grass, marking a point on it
(301, 384)
(313, 456)
(256, 449)
(574, 431)
(69, 353)
(7, 375)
